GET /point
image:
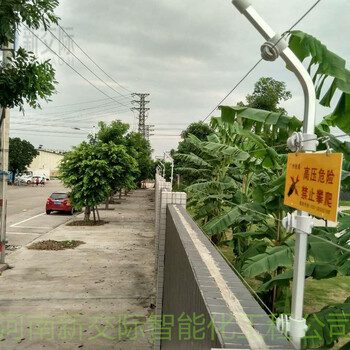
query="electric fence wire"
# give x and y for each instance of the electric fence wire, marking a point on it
(87, 67)
(99, 67)
(70, 66)
(239, 274)
(280, 221)
(259, 61)
(330, 242)
(254, 293)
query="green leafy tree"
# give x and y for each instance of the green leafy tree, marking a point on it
(141, 150)
(92, 171)
(267, 95)
(21, 154)
(24, 78)
(114, 132)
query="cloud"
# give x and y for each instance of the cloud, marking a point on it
(187, 54)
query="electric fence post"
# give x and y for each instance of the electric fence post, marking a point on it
(276, 46)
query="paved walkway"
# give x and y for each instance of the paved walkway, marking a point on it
(96, 296)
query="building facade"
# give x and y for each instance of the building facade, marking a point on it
(47, 159)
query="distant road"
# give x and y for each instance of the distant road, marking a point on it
(26, 216)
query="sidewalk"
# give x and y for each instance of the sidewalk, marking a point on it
(95, 296)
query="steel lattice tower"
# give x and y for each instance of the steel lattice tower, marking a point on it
(142, 112)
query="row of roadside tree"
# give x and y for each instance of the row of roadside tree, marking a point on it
(94, 171)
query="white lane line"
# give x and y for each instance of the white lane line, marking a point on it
(22, 233)
(33, 217)
(34, 227)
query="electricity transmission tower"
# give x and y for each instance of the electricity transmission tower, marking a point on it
(148, 130)
(142, 112)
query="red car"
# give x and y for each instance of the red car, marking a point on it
(58, 201)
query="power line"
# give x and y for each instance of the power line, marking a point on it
(76, 118)
(233, 89)
(67, 115)
(44, 113)
(94, 61)
(31, 134)
(70, 66)
(47, 131)
(90, 70)
(258, 62)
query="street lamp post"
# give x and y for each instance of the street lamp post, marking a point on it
(93, 133)
(167, 155)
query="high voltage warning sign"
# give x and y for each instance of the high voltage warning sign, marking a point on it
(313, 182)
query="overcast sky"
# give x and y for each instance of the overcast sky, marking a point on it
(186, 54)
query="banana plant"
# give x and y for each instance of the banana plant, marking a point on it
(327, 326)
(214, 185)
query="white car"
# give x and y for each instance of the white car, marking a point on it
(24, 179)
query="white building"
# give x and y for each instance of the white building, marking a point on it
(47, 159)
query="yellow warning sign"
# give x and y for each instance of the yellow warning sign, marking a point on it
(313, 182)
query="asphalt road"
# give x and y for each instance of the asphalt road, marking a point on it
(26, 216)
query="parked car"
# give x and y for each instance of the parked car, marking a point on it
(24, 179)
(40, 182)
(58, 201)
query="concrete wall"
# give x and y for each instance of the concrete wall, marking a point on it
(194, 280)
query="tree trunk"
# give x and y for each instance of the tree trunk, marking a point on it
(98, 214)
(13, 175)
(278, 270)
(87, 213)
(120, 194)
(93, 211)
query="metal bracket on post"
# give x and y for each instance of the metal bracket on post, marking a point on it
(289, 326)
(302, 224)
(271, 50)
(302, 142)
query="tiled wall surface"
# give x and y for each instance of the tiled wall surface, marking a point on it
(193, 278)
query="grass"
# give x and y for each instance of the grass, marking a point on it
(319, 293)
(344, 203)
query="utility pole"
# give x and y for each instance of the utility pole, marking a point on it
(142, 111)
(4, 158)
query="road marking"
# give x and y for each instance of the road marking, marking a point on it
(34, 227)
(22, 233)
(33, 217)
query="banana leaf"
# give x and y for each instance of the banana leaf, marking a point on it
(280, 256)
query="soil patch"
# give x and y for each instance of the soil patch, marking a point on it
(87, 223)
(55, 245)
